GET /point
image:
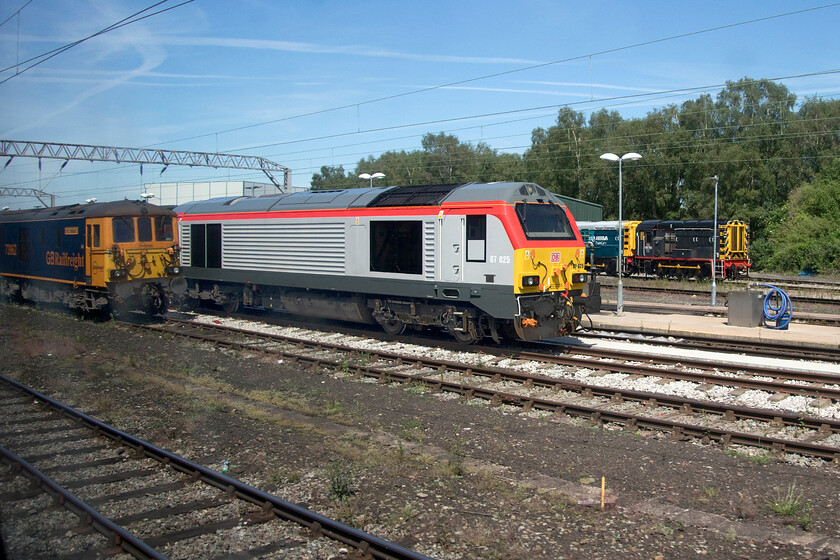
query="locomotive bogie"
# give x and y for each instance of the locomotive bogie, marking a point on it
(438, 255)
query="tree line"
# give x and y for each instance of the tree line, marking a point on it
(776, 160)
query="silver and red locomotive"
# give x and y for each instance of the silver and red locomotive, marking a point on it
(477, 259)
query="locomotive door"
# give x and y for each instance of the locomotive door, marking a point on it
(452, 246)
(94, 252)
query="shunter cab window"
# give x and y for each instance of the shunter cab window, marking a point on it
(476, 238)
(144, 229)
(544, 221)
(163, 228)
(123, 230)
(396, 247)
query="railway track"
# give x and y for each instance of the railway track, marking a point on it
(801, 290)
(757, 348)
(75, 482)
(506, 381)
(692, 308)
(799, 299)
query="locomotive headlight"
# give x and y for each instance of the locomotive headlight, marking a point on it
(580, 278)
(530, 281)
(173, 270)
(116, 274)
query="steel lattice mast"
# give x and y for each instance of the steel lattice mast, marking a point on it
(35, 193)
(80, 152)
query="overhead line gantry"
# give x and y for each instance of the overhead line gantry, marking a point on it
(80, 152)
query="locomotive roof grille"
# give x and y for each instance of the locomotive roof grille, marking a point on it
(414, 195)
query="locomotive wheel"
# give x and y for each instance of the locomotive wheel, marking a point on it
(231, 305)
(393, 327)
(156, 304)
(463, 337)
(186, 303)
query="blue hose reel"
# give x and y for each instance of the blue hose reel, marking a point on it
(777, 308)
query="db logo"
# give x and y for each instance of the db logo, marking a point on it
(556, 257)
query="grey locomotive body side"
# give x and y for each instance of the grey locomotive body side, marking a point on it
(339, 255)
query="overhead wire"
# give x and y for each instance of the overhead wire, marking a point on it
(516, 70)
(555, 149)
(518, 111)
(634, 137)
(611, 100)
(134, 18)
(15, 13)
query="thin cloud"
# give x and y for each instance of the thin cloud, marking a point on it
(588, 85)
(349, 50)
(53, 75)
(554, 93)
(152, 57)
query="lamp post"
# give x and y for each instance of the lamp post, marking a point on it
(715, 234)
(372, 177)
(631, 156)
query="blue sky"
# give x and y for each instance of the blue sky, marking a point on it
(307, 84)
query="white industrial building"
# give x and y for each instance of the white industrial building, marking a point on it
(172, 194)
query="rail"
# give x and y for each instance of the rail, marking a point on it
(318, 524)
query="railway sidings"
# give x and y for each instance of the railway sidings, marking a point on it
(156, 504)
(449, 476)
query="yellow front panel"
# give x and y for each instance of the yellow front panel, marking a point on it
(629, 235)
(555, 267)
(736, 240)
(139, 259)
(139, 263)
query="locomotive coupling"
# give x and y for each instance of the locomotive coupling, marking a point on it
(547, 315)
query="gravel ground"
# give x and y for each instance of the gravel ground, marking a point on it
(446, 478)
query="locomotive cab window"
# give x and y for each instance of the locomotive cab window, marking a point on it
(163, 228)
(544, 221)
(396, 247)
(476, 238)
(144, 229)
(123, 230)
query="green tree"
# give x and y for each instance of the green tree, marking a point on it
(558, 155)
(809, 236)
(765, 152)
(332, 177)
(446, 160)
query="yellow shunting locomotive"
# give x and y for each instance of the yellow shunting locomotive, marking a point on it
(99, 257)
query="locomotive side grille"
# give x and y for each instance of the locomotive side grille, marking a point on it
(429, 250)
(285, 247)
(184, 241)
